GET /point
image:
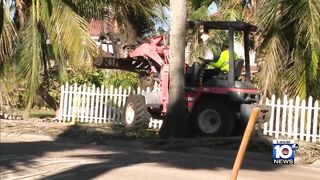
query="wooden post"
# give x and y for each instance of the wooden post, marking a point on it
(315, 121)
(244, 143)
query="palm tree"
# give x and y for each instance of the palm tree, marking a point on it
(57, 22)
(7, 35)
(134, 17)
(7, 40)
(290, 47)
(175, 124)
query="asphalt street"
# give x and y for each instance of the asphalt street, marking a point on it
(42, 157)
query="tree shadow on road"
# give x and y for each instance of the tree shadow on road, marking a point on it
(189, 154)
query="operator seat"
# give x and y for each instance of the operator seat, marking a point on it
(193, 74)
(238, 65)
(221, 79)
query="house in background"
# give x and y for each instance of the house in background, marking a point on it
(98, 30)
(108, 37)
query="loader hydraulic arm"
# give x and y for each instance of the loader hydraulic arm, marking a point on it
(137, 65)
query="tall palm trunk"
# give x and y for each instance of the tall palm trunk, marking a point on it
(175, 124)
(42, 91)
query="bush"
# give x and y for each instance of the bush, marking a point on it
(93, 76)
(122, 78)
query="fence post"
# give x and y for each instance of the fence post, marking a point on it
(74, 104)
(93, 90)
(290, 118)
(106, 94)
(296, 118)
(114, 105)
(277, 131)
(88, 95)
(69, 112)
(272, 114)
(65, 103)
(101, 104)
(95, 105)
(83, 103)
(138, 90)
(265, 125)
(308, 132)
(61, 103)
(284, 115)
(110, 104)
(302, 119)
(79, 103)
(315, 131)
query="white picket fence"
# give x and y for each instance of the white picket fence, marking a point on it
(294, 119)
(297, 119)
(83, 104)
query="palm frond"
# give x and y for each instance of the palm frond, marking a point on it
(29, 58)
(93, 8)
(7, 38)
(1, 16)
(231, 10)
(310, 30)
(295, 26)
(273, 47)
(297, 75)
(70, 32)
(139, 14)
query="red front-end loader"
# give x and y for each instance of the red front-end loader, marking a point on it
(217, 105)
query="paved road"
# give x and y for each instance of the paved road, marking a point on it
(41, 157)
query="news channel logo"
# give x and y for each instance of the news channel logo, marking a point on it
(283, 151)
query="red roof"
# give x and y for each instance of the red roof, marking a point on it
(96, 27)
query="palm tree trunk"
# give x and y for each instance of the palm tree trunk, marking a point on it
(175, 124)
(48, 98)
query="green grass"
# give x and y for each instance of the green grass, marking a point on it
(41, 113)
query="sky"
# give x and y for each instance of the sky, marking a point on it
(212, 9)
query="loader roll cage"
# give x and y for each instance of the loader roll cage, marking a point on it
(231, 27)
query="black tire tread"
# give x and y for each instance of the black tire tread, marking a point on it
(141, 117)
(224, 110)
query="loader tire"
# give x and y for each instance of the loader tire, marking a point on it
(213, 118)
(136, 116)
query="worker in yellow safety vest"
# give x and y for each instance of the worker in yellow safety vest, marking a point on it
(223, 61)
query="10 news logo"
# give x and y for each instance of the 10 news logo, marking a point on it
(283, 151)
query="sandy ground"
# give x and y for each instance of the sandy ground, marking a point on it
(46, 150)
